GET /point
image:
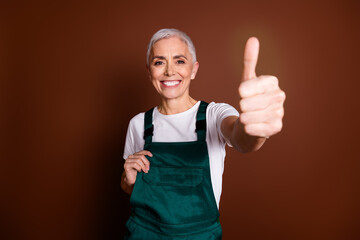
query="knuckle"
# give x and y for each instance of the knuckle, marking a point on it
(281, 96)
(274, 80)
(137, 166)
(144, 159)
(127, 168)
(243, 118)
(278, 97)
(277, 126)
(241, 90)
(249, 129)
(242, 104)
(280, 113)
(244, 88)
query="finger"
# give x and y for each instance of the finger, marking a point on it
(143, 158)
(250, 58)
(262, 101)
(138, 161)
(259, 85)
(262, 116)
(144, 152)
(263, 129)
(133, 165)
(255, 103)
(145, 161)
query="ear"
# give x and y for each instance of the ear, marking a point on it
(194, 70)
(148, 71)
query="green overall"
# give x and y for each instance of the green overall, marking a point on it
(175, 199)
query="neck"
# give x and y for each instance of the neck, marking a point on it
(173, 106)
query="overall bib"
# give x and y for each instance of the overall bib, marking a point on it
(175, 199)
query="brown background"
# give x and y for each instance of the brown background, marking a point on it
(73, 74)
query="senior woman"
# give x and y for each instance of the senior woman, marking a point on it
(175, 151)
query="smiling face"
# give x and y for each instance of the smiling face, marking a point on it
(171, 68)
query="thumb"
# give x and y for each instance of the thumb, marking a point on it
(250, 58)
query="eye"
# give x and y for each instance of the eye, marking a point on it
(180, 61)
(158, 63)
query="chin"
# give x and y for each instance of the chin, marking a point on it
(169, 97)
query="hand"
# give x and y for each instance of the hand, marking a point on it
(261, 99)
(136, 163)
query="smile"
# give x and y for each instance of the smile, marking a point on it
(172, 83)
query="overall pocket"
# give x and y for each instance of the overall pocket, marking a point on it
(177, 177)
(175, 195)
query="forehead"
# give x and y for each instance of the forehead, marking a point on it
(170, 45)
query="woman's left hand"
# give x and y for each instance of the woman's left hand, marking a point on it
(261, 99)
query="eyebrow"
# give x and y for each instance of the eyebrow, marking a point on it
(175, 57)
(160, 57)
(180, 56)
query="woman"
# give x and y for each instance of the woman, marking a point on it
(175, 152)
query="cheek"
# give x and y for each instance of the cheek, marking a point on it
(153, 75)
(156, 72)
(156, 85)
(185, 72)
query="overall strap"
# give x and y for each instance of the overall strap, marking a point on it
(148, 126)
(201, 121)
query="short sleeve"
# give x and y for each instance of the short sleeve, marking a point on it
(220, 111)
(129, 142)
(134, 141)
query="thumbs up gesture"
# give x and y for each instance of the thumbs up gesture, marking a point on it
(261, 99)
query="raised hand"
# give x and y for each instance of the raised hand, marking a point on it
(261, 99)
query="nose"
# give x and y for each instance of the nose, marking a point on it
(169, 71)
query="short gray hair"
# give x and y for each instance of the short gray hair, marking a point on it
(168, 33)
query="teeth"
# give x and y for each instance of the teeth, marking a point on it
(171, 83)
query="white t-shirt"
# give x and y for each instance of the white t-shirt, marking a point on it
(180, 127)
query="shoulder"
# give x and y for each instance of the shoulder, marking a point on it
(221, 110)
(136, 124)
(137, 119)
(134, 137)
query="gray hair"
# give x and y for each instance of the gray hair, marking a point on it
(168, 33)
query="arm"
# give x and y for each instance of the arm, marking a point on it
(234, 132)
(124, 185)
(261, 106)
(133, 164)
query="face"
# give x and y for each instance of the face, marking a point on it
(171, 68)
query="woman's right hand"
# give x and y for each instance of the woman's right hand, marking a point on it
(135, 163)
